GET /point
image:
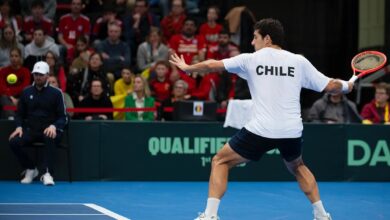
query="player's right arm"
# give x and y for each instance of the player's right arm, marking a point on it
(206, 66)
(336, 86)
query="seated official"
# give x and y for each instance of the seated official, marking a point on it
(41, 116)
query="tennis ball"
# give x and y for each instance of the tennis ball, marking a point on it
(12, 78)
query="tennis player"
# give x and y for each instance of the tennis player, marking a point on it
(275, 78)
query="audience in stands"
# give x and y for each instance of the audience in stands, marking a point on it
(50, 7)
(116, 53)
(56, 69)
(334, 108)
(211, 29)
(82, 54)
(378, 110)
(38, 48)
(53, 81)
(7, 42)
(124, 85)
(152, 50)
(179, 93)
(8, 19)
(160, 85)
(9, 93)
(173, 23)
(96, 98)
(73, 25)
(79, 81)
(140, 98)
(37, 20)
(100, 28)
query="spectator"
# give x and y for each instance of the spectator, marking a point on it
(334, 108)
(9, 93)
(160, 86)
(179, 93)
(173, 23)
(100, 29)
(82, 54)
(152, 50)
(50, 7)
(53, 81)
(7, 19)
(56, 69)
(377, 111)
(96, 99)
(115, 53)
(37, 49)
(79, 81)
(211, 29)
(7, 42)
(122, 88)
(73, 25)
(140, 98)
(37, 20)
(41, 116)
(137, 24)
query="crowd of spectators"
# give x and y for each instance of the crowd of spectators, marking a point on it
(115, 54)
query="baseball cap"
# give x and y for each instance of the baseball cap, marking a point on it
(41, 67)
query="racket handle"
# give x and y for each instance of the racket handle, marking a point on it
(353, 79)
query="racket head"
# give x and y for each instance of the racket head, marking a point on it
(367, 62)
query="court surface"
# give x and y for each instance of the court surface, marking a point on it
(182, 200)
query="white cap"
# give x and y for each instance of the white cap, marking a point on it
(41, 67)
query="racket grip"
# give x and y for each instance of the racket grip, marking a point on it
(353, 79)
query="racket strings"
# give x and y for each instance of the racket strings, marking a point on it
(368, 61)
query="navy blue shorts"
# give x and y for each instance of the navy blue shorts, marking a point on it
(252, 146)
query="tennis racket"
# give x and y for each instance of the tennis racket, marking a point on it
(365, 63)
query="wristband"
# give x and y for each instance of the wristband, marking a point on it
(353, 79)
(345, 86)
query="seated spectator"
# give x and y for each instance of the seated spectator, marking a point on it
(53, 81)
(82, 54)
(334, 108)
(152, 50)
(100, 29)
(160, 85)
(115, 53)
(173, 23)
(79, 81)
(122, 87)
(179, 93)
(139, 98)
(9, 93)
(96, 98)
(38, 48)
(7, 19)
(73, 25)
(42, 118)
(378, 110)
(50, 7)
(138, 23)
(7, 42)
(37, 20)
(56, 69)
(211, 29)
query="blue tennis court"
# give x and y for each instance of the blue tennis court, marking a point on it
(182, 200)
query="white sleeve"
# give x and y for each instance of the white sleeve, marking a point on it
(312, 78)
(237, 65)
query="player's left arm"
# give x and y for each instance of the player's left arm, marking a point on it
(206, 66)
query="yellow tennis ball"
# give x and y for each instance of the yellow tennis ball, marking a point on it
(12, 78)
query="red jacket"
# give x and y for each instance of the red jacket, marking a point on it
(370, 112)
(24, 80)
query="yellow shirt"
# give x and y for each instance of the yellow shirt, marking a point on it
(121, 88)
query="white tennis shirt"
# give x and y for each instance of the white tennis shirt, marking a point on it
(275, 78)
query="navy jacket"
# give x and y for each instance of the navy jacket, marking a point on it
(39, 109)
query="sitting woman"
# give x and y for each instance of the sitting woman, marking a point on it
(79, 81)
(7, 42)
(139, 98)
(56, 69)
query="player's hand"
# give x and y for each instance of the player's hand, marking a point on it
(50, 131)
(179, 62)
(18, 132)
